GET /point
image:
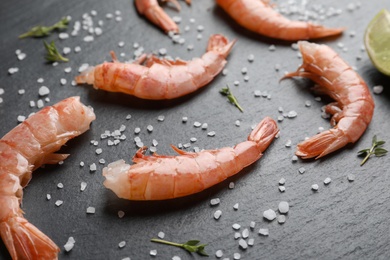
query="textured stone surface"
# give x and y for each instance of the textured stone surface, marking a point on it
(343, 220)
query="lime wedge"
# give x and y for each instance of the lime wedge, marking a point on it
(377, 41)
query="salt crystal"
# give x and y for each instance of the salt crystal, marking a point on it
(236, 226)
(378, 89)
(327, 181)
(292, 114)
(59, 203)
(235, 206)
(68, 69)
(81, 163)
(83, 67)
(21, 118)
(294, 158)
(217, 214)
(197, 124)
(231, 185)
(121, 214)
(173, 258)
(153, 252)
(63, 36)
(161, 234)
(272, 48)
(99, 151)
(237, 235)
(21, 56)
(21, 91)
(149, 128)
(68, 246)
(252, 225)
(83, 186)
(251, 57)
(251, 242)
(301, 170)
(314, 187)
(92, 167)
(284, 207)
(236, 256)
(236, 83)
(122, 244)
(219, 253)
(351, 177)
(269, 214)
(282, 181)
(257, 93)
(137, 130)
(281, 219)
(224, 72)
(77, 49)
(63, 81)
(214, 202)
(91, 210)
(245, 233)
(264, 231)
(1, 91)
(243, 244)
(88, 38)
(211, 134)
(60, 185)
(13, 70)
(48, 196)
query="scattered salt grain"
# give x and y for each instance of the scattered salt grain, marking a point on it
(68, 69)
(280, 118)
(288, 143)
(13, 70)
(272, 48)
(121, 43)
(237, 123)
(218, 253)
(88, 38)
(121, 214)
(246, 78)
(63, 81)
(69, 244)
(351, 177)
(60, 185)
(161, 235)
(269, 214)
(281, 219)
(235, 206)
(264, 231)
(102, 161)
(211, 134)
(314, 187)
(21, 118)
(257, 93)
(217, 214)
(243, 244)
(214, 202)
(236, 83)
(149, 128)
(224, 72)
(236, 256)
(40, 80)
(292, 114)
(40, 103)
(63, 36)
(83, 67)
(48, 196)
(378, 89)
(83, 186)
(294, 158)
(175, 257)
(301, 170)
(284, 207)
(98, 151)
(251, 242)
(197, 124)
(81, 164)
(237, 235)
(153, 252)
(327, 181)
(236, 226)
(231, 185)
(21, 56)
(137, 130)
(59, 203)
(91, 210)
(1, 91)
(21, 91)
(245, 233)
(122, 244)
(92, 167)
(252, 225)
(77, 49)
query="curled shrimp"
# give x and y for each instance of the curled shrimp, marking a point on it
(23, 149)
(259, 16)
(160, 78)
(354, 106)
(154, 13)
(160, 177)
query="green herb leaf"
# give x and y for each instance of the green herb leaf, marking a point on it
(53, 54)
(191, 245)
(232, 99)
(42, 31)
(374, 150)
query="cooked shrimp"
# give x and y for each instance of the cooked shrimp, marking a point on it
(160, 177)
(160, 78)
(259, 16)
(23, 149)
(155, 14)
(354, 106)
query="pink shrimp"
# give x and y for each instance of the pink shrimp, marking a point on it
(155, 14)
(160, 78)
(160, 177)
(23, 149)
(259, 16)
(354, 106)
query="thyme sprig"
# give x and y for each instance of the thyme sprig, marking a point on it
(374, 150)
(53, 54)
(191, 245)
(42, 31)
(232, 99)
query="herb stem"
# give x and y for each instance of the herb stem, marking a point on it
(166, 242)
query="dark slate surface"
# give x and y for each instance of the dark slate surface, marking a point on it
(344, 220)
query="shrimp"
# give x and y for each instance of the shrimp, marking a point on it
(160, 78)
(25, 148)
(259, 16)
(155, 14)
(354, 106)
(160, 177)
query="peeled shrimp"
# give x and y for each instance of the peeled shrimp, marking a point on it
(354, 106)
(155, 14)
(160, 177)
(259, 16)
(160, 78)
(23, 149)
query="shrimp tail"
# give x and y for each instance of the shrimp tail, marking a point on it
(264, 133)
(220, 44)
(86, 77)
(24, 241)
(318, 31)
(322, 144)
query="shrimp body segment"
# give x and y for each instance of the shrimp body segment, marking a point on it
(155, 14)
(160, 177)
(259, 16)
(160, 78)
(23, 149)
(354, 107)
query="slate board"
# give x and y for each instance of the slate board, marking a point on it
(344, 220)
